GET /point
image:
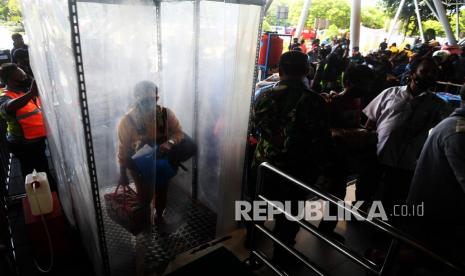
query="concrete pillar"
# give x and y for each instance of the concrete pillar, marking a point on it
(303, 18)
(444, 21)
(420, 27)
(355, 24)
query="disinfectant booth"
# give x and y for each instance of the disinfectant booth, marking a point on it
(88, 56)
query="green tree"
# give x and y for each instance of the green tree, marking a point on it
(271, 15)
(336, 11)
(435, 25)
(10, 11)
(331, 32)
(266, 26)
(3, 10)
(373, 17)
(14, 11)
(453, 23)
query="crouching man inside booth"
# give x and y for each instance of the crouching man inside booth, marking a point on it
(20, 107)
(148, 126)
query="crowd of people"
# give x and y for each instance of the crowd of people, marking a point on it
(327, 113)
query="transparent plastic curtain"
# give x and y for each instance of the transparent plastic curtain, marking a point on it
(177, 82)
(230, 31)
(52, 60)
(119, 50)
(226, 40)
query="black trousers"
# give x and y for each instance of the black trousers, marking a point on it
(32, 156)
(396, 188)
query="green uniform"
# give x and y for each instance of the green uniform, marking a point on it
(293, 127)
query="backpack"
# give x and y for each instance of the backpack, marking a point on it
(180, 152)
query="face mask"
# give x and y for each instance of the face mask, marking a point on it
(147, 104)
(424, 83)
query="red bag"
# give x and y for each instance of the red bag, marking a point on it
(124, 208)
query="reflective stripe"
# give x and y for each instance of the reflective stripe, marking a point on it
(29, 118)
(29, 114)
(460, 126)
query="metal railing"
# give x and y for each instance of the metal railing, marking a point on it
(397, 237)
(448, 87)
(6, 238)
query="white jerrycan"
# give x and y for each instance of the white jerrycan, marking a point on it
(38, 193)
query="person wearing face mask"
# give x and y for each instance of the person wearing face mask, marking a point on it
(147, 123)
(20, 107)
(402, 117)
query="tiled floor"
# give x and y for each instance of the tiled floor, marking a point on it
(188, 224)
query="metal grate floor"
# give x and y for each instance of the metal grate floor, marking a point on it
(188, 224)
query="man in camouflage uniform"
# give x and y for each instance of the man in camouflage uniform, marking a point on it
(294, 135)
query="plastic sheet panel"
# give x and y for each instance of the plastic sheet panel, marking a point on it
(177, 83)
(228, 41)
(51, 54)
(221, 87)
(119, 50)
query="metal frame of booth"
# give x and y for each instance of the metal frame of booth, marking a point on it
(6, 235)
(76, 44)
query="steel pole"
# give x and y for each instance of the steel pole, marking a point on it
(420, 27)
(303, 18)
(432, 9)
(394, 21)
(444, 21)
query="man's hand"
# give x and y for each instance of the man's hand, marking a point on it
(325, 96)
(329, 97)
(165, 147)
(13, 105)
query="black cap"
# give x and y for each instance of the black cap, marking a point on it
(294, 63)
(6, 71)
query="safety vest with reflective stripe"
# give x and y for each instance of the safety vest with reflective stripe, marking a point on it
(29, 117)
